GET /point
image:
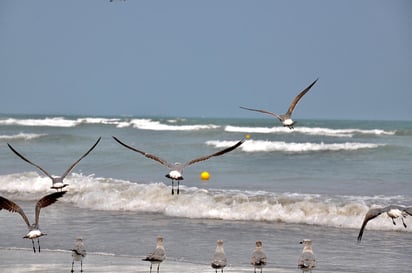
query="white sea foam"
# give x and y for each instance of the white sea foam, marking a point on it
(23, 136)
(143, 124)
(309, 131)
(293, 147)
(119, 195)
(52, 122)
(148, 124)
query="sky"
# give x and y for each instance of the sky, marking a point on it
(188, 58)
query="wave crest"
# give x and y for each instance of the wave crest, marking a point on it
(119, 195)
(309, 131)
(22, 136)
(293, 147)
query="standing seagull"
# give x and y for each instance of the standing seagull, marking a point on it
(219, 259)
(258, 259)
(392, 211)
(78, 253)
(34, 230)
(176, 169)
(158, 255)
(57, 182)
(286, 119)
(307, 260)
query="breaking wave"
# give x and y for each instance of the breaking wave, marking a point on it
(119, 195)
(143, 124)
(293, 147)
(21, 136)
(309, 131)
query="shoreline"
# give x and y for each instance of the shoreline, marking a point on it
(59, 261)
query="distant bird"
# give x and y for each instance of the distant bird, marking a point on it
(34, 230)
(392, 211)
(219, 260)
(158, 255)
(78, 253)
(57, 182)
(307, 260)
(176, 169)
(286, 118)
(258, 259)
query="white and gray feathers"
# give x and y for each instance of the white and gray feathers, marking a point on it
(158, 255)
(57, 182)
(219, 260)
(286, 118)
(176, 169)
(258, 259)
(34, 230)
(78, 253)
(307, 261)
(392, 211)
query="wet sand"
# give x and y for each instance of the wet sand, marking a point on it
(24, 260)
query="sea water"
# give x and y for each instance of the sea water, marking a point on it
(280, 186)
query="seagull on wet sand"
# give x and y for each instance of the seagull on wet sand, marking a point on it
(219, 260)
(34, 230)
(158, 255)
(307, 260)
(57, 182)
(392, 211)
(258, 259)
(286, 118)
(176, 169)
(78, 253)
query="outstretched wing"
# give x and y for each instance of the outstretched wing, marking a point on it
(151, 156)
(371, 214)
(298, 97)
(231, 148)
(47, 201)
(263, 111)
(13, 207)
(28, 161)
(77, 162)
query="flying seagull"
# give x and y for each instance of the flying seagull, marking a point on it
(307, 260)
(286, 118)
(158, 255)
(176, 169)
(219, 259)
(34, 230)
(57, 182)
(78, 253)
(392, 211)
(258, 259)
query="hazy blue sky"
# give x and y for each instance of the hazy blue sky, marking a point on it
(206, 58)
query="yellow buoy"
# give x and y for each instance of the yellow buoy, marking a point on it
(247, 136)
(204, 176)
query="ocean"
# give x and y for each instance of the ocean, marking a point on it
(280, 186)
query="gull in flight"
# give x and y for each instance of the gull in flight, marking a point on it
(34, 230)
(158, 255)
(392, 211)
(258, 259)
(78, 253)
(176, 169)
(286, 118)
(219, 259)
(57, 182)
(307, 260)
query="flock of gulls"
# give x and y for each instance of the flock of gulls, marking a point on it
(306, 261)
